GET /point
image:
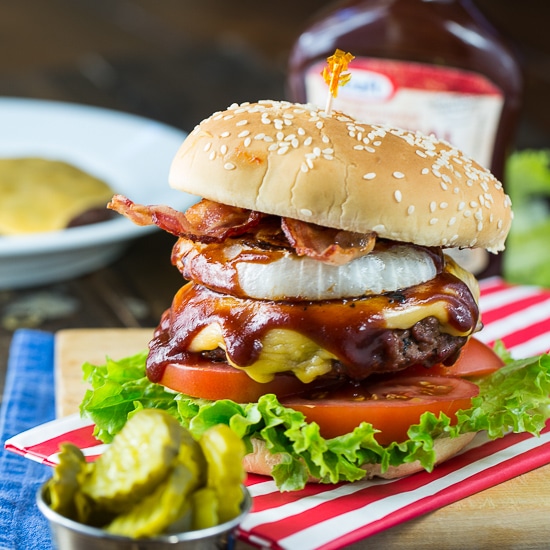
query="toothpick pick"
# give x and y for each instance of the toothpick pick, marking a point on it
(334, 75)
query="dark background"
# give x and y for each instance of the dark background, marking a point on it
(179, 60)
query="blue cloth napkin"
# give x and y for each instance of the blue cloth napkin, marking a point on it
(28, 401)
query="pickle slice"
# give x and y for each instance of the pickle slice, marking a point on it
(136, 462)
(224, 452)
(64, 485)
(204, 505)
(156, 512)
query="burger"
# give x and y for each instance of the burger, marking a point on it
(320, 316)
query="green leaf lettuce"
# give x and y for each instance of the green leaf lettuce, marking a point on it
(515, 398)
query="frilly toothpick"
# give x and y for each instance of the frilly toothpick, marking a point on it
(334, 75)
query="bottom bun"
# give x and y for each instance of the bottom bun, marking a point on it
(261, 461)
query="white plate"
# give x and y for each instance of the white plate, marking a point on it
(131, 153)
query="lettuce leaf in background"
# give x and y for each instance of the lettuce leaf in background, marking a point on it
(527, 257)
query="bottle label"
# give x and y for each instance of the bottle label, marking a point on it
(459, 106)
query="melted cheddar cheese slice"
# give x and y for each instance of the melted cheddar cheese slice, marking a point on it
(285, 350)
(38, 195)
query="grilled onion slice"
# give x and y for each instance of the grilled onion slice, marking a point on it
(243, 270)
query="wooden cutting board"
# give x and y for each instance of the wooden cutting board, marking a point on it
(73, 347)
(512, 515)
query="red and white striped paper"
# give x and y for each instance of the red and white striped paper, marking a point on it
(331, 517)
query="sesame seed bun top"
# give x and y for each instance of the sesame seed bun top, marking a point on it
(296, 161)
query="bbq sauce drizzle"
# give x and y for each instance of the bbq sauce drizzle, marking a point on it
(345, 328)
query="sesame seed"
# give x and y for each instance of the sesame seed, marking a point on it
(207, 147)
(273, 147)
(244, 133)
(433, 206)
(308, 141)
(433, 221)
(410, 210)
(370, 149)
(369, 176)
(306, 212)
(223, 149)
(319, 125)
(379, 228)
(283, 150)
(242, 123)
(280, 136)
(398, 196)
(229, 166)
(443, 205)
(425, 171)
(452, 221)
(259, 136)
(328, 157)
(295, 143)
(225, 134)
(461, 206)
(247, 142)
(499, 224)
(443, 185)
(358, 147)
(421, 154)
(212, 155)
(304, 167)
(325, 139)
(398, 175)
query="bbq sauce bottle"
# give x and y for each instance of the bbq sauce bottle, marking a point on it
(436, 66)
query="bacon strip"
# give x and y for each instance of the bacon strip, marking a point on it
(328, 245)
(209, 221)
(206, 221)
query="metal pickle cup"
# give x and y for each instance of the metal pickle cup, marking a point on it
(68, 534)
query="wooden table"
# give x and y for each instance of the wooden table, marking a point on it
(133, 55)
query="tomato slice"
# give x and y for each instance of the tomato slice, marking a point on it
(391, 406)
(218, 381)
(476, 359)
